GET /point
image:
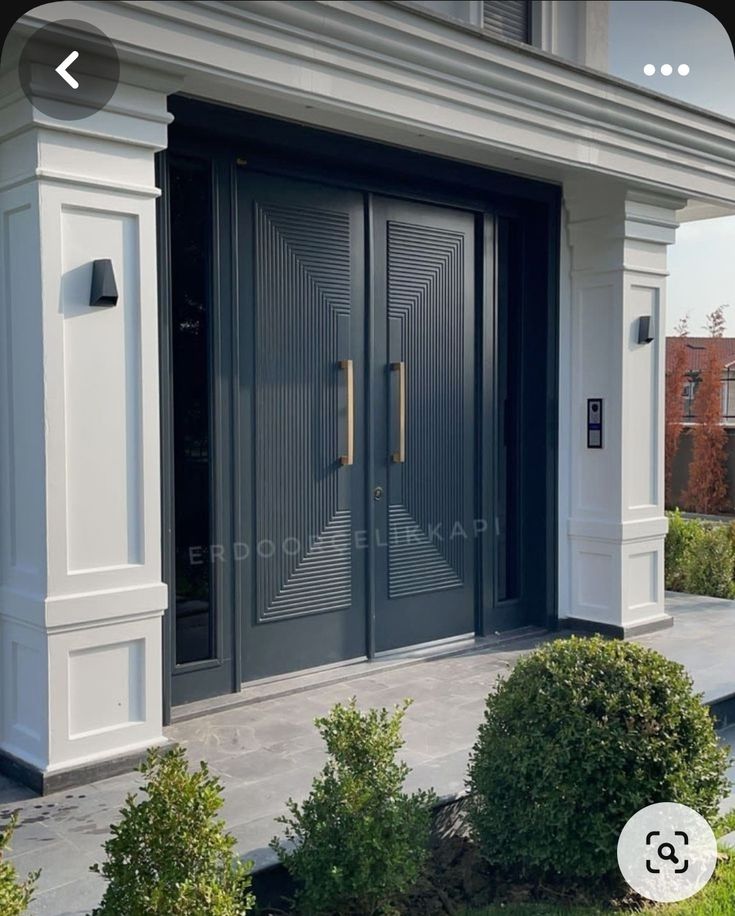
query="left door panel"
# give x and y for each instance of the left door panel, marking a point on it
(299, 464)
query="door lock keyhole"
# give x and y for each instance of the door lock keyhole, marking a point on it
(378, 493)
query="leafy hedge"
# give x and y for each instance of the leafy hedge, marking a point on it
(700, 557)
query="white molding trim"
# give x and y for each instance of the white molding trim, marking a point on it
(379, 70)
(50, 175)
(76, 611)
(618, 532)
(100, 759)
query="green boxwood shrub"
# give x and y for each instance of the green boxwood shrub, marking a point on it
(710, 563)
(700, 557)
(170, 855)
(582, 734)
(682, 532)
(358, 841)
(15, 895)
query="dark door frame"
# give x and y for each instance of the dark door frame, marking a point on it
(229, 139)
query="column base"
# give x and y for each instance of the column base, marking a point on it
(47, 782)
(618, 631)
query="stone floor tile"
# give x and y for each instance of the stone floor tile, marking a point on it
(60, 864)
(268, 750)
(77, 898)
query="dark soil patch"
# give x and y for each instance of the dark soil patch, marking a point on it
(457, 878)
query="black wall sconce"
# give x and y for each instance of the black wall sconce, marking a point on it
(645, 329)
(104, 287)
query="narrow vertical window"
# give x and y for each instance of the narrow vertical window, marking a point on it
(510, 331)
(190, 304)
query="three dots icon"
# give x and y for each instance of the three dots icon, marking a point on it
(666, 69)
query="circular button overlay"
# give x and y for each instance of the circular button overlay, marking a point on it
(667, 852)
(69, 69)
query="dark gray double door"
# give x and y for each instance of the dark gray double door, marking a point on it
(356, 453)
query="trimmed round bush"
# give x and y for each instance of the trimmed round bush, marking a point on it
(582, 734)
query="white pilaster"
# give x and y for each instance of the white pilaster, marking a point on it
(616, 524)
(81, 596)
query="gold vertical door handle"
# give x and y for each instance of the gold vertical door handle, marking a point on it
(399, 456)
(349, 458)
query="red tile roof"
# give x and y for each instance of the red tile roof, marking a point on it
(697, 347)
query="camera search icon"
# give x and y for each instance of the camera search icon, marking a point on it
(667, 852)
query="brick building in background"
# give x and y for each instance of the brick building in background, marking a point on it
(697, 350)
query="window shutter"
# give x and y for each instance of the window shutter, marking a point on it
(508, 18)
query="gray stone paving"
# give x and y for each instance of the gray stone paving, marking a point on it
(267, 750)
(702, 639)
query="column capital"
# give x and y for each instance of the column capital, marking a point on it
(612, 227)
(111, 150)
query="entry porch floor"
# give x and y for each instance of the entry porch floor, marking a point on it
(264, 746)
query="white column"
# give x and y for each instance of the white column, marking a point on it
(81, 596)
(615, 521)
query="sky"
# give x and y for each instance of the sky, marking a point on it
(702, 262)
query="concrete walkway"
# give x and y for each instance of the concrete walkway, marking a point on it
(702, 639)
(268, 749)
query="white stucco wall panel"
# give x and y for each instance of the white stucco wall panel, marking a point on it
(102, 426)
(594, 356)
(24, 719)
(20, 155)
(595, 578)
(641, 414)
(107, 691)
(120, 666)
(22, 553)
(643, 584)
(102, 394)
(596, 581)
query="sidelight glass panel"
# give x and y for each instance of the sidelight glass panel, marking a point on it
(509, 344)
(190, 184)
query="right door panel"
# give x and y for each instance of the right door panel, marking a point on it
(423, 422)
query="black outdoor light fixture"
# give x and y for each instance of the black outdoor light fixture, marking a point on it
(104, 287)
(645, 329)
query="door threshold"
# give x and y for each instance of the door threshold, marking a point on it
(282, 685)
(425, 649)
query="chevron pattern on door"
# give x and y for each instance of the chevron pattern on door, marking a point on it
(302, 313)
(426, 315)
(416, 564)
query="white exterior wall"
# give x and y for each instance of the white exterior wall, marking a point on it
(575, 30)
(612, 498)
(81, 596)
(80, 591)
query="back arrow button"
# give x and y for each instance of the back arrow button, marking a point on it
(63, 67)
(90, 72)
